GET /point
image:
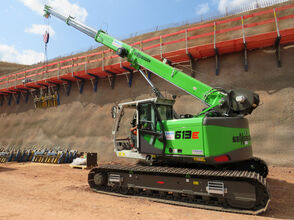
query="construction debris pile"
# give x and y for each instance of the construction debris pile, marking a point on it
(56, 156)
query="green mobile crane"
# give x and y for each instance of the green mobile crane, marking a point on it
(201, 161)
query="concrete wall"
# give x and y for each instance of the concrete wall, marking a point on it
(83, 121)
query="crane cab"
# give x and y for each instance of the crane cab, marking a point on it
(144, 135)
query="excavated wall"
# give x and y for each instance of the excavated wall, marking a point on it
(83, 121)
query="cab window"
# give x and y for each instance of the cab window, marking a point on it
(165, 112)
(147, 117)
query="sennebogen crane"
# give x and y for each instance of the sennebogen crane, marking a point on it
(203, 160)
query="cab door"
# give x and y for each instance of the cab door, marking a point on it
(151, 140)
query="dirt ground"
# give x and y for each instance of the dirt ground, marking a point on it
(42, 191)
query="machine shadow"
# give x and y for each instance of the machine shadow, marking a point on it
(5, 169)
(282, 199)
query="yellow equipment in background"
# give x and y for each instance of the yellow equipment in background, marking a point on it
(46, 100)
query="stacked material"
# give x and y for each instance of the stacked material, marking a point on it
(56, 156)
(3, 157)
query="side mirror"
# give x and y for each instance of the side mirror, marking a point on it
(113, 111)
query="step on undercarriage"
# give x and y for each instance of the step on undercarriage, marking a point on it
(232, 191)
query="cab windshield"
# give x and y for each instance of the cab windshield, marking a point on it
(165, 112)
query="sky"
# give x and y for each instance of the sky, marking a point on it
(23, 25)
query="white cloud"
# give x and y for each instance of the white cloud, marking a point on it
(35, 5)
(11, 54)
(202, 9)
(231, 4)
(224, 5)
(40, 29)
(63, 6)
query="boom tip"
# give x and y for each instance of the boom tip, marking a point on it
(46, 11)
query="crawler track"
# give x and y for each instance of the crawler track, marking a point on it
(230, 191)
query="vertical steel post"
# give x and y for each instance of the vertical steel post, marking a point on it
(9, 100)
(58, 70)
(103, 60)
(86, 64)
(81, 88)
(72, 67)
(216, 52)
(160, 43)
(192, 60)
(27, 96)
(131, 75)
(245, 47)
(193, 64)
(1, 100)
(95, 84)
(18, 97)
(277, 41)
(186, 37)
(112, 76)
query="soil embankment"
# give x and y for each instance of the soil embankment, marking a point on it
(83, 121)
(6, 67)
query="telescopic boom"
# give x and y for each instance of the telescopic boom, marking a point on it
(217, 100)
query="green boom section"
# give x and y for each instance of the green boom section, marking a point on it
(173, 75)
(139, 59)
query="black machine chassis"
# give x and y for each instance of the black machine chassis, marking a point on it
(254, 164)
(185, 186)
